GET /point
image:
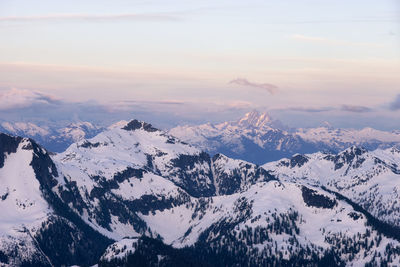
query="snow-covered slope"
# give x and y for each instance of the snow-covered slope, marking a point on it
(111, 177)
(139, 146)
(258, 138)
(30, 222)
(23, 208)
(232, 175)
(273, 222)
(339, 139)
(134, 180)
(161, 201)
(53, 138)
(369, 178)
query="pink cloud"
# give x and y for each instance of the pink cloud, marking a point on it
(19, 98)
(271, 88)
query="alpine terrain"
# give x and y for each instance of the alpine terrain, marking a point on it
(52, 137)
(136, 196)
(258, 138)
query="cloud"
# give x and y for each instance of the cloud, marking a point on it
(310, 110)
(272, 89)
(395, 105)
(96, 17)
(17, 98)
(35, 107)
(239, 104)
(129, 105)
(347, 108)
(358, 109)
(161, 102)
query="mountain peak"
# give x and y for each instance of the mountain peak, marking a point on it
(327, 125)
(135, 125)
(353, 151)
(255, 119)
(24, 128)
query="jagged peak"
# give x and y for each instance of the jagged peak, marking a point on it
(255, 119)
(230, 162)
(327, 125)
(136, 125)
(356, 150)
(10, 144)
(298, 160)
(219, 156)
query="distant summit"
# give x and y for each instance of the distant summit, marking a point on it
(258, 138)
(53, 138)
(327, 125)
(255, 119)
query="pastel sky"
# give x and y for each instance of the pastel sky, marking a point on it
(304, 61)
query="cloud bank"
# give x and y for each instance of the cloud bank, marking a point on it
(33, 106)
(358, 109)
(271, 88)
(18, 98)
(310, 109)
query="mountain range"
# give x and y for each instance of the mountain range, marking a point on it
(136, 195)
(52, 136)
(258, 138)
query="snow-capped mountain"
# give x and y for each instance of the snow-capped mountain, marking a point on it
(33, 220)
(258, 138)
(369, 178)
(254, 138)
(53, 138)
(134, 194)
(340, 139)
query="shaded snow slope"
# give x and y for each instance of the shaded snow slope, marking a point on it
(369, 178)
(33, 221)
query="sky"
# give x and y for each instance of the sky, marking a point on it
(176, 62)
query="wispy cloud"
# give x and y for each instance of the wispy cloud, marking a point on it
(357, 109)
(91, 17)
(128, 105)
(328, 41)
(161, 102)
(309, 109)
(346, 108)
(17, 98)
(271, 88)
